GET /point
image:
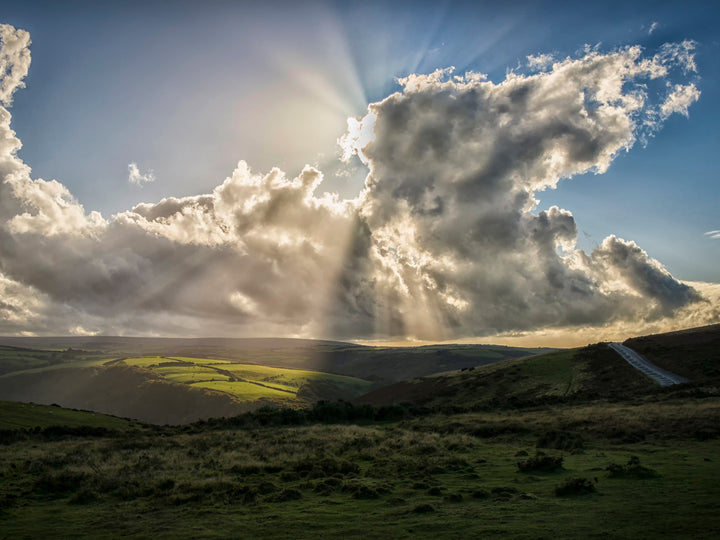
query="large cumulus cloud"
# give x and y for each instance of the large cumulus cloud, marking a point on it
(443, 242)
(455, 166)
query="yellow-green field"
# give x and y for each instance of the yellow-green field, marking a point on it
(243, 381)
(246, 391)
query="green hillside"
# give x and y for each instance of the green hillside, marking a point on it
(174, 390)
(247, 382)
(172, 381)
(692, 353)
(575, 374)
(571, 444)
(383, 365)
(14, 415)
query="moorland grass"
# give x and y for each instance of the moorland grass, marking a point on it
(442, 476)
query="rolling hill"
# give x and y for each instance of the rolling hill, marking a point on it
(24, 416)
(575, 442)
(172, 381)
(574, 375)
(692, 353)
(379, 364)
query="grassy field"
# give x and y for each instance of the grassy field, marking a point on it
(15, 416)
(574, 374)
(592, 471)
(692, 353)
(245, 382)
(386, 364)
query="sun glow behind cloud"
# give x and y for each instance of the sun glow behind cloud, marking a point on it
(443, 242)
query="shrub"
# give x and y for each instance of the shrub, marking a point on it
(64, 482)
(561, 440)
(503, 493)
(328, 486)
(266, 487)
(423, 509)
(575, 486)
(166, 485)
(540, 462)
(480, 494)
(320, 468)
(287, 495)
(84, 496)
(632, 469)
(365, 492)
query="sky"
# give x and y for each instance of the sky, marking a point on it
(530, 173)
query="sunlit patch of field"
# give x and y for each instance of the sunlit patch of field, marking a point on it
(190, 374)
(245, 391)
(243, 381)
(290, 378)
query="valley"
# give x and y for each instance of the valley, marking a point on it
(566, 444)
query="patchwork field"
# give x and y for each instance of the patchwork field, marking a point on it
(246, 381)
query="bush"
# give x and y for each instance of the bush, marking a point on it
(503, 493)
(312, 468)
(575, 486)
(364, 492)
(63, 482)
(84, 496)
(328, 486)
(632, 469)
(423, 509)
(480, 494)
(540, 462)
(561, 440)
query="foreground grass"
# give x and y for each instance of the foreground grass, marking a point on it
(439, 476)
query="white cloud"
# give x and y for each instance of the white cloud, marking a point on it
(444, 241)
(713, 234)
(679, 100)
(653, 27)
(540, 61)
(680, 54)
(14, 61)
(134, 176)
(456, 165)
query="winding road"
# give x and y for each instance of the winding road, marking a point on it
(665, 378)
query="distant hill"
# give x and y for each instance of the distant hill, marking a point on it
(379, 364)
(14, 415)
(161, 381)
(589, 372)
(121, 391)
(586, 373)
(692, 353)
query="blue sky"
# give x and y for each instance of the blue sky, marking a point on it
(186, 89)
